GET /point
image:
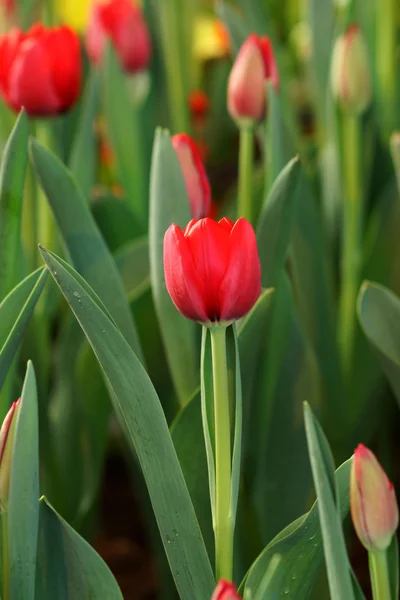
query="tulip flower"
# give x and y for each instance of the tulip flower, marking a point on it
(225, 590)
(350, 72)
(198, 103)
(254, 65)
(40, 70)
(194, 174)
(373, 502)
(7, 433)
(212, 270)
(123, 22)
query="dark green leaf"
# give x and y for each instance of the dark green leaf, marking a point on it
(23, 515)
(137, 403)
(133, 264)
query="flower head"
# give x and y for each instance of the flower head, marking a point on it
(194, 174)
(7, 433)
(254, 65)
(225, 590)
(124, 23)
(40, 70)
(373, 502)
(212, 270)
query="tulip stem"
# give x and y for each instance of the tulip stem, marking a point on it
(245, 200)
(352, 238)
(223, 517)
(378, 568)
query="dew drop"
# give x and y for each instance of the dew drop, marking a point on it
(312, 537)
(168, 539)
(287, 590)
(76, 294)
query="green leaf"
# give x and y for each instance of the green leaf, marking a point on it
(300, 549)
(379, 316)
(15, 312)
(68, 567)
(25, 9)
(83, 240)
(275, 223)
(115, 220)
(169, 204)
(12, 181)
(23, 515)
(137, 403)
(392, 554)
(123, 129)
(238, 30)
(133, 264)
(83, 153)
(276, 148)
(336, 559)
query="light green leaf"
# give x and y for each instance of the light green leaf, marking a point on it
(137, 403)
(379, 316)
(83, 240)
(169, 204)
(12, 181)
(336, 559)
(238, 29)
(133, 264)
(68, 567)
(83, 153)
(15, 312)
(23, 515)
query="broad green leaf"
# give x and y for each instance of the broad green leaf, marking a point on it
(169, 204)
(300, 547)
(314, 295)
(276, 143)
(124, 131)
(23, 515)
(83, 153)
(379, 316)
(12, 181)
(336, 559)
(83, 240)
(137, 403)
(68, 567)
(15, 312)
(133, 264)
(115, 220)
(275, 223)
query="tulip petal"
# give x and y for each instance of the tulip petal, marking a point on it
(9, 45)
(29, 82)
(241, 285)
(65, 64)
(181, 278)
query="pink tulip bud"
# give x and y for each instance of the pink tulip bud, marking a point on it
(7, 434)
(124, 23)
(225, 590)
(372, 501)
(194, 174)
(350, 72)
(254, 65)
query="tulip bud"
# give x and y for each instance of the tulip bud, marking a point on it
(225, 590)
(350, 72)
(194, 174)
(212, 270)
(372, 501)
(123, 22)
(198, 104)
(7, 434)
(254, 65)
(40, 70)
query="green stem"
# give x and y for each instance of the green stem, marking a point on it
(5, 558)
(223, 517)
(46, 225)
(386, 60)
(245, 200)
(352, 238)
(378, 568)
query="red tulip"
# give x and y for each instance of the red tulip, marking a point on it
(373, 504)
(40, 70)
(225, 590)
(194, 174)
(254, 65)
(212, 270)
(199, 103)
(123, 22)
(7, 434)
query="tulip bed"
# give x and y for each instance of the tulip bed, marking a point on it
(200, 278)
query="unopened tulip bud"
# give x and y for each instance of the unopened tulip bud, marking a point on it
(350, 72)
(212, 270)
(254, 65)
(225, 590)
(372, 501)
(7, 434)
(123, 22)
(194, 174)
